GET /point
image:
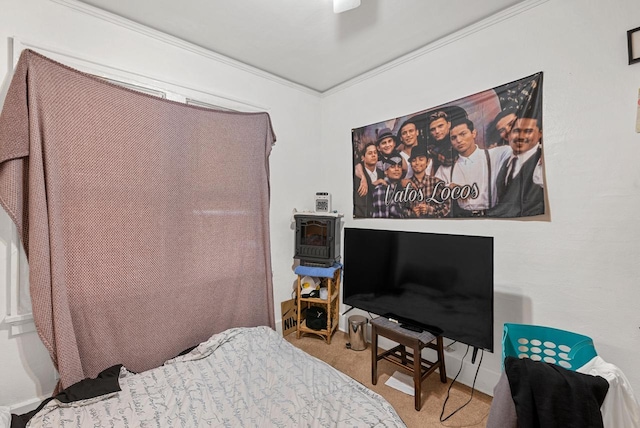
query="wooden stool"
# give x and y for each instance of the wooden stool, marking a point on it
(420, 367)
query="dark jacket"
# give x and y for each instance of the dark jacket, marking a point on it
(522, 197)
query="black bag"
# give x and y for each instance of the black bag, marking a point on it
(316, 317)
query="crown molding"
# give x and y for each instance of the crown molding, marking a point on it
(179, 43)
(438, 44)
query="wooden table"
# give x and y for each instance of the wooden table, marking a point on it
(420, 367)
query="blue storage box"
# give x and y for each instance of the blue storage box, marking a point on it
(551, 345)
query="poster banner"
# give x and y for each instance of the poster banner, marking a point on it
(479, 156)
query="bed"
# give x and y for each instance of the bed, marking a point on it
(240, 377)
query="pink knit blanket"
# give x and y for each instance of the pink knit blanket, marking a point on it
(145, 221)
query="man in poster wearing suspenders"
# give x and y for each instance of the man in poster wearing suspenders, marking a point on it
(474, 167)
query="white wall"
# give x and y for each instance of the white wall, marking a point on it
(25, 370)
(578, 269)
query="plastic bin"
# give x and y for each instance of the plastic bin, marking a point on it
(357, 324)
(551, 345)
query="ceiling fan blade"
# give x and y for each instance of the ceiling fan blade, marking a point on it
(340, 6)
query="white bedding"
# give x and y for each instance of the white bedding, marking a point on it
(243, 377)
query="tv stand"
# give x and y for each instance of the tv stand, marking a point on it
(420, 367)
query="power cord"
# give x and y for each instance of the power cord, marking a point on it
(454, 380)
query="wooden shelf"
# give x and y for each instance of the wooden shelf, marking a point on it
(331, 303)
(303, 328)
(314, 300)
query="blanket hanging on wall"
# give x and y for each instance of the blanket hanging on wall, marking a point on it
(145, 221)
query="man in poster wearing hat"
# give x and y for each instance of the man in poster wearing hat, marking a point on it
(386, 203)
(386, 144)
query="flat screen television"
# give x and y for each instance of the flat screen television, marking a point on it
(436, 282)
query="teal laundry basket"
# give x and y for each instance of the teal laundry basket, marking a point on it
(551, 345)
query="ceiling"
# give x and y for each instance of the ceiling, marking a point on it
(303, 41)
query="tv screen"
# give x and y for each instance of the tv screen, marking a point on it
(437, 282)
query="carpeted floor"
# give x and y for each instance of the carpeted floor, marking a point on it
(357, 364)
